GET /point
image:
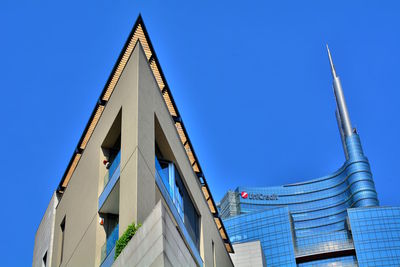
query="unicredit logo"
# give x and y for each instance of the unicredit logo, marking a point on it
(244, 194)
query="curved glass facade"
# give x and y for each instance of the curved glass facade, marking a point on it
(334, 220)
(314, 214)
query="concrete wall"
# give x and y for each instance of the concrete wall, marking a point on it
(44, 235)
(248, 254)
(156, 243)
(83, 234)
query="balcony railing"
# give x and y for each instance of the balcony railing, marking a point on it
(110, 172)
(108, 246)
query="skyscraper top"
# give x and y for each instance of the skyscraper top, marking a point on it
(345, 123)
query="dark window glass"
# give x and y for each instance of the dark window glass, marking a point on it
(44, 262)
(192, 218)
(62, 226)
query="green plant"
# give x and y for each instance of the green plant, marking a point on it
(125, 238)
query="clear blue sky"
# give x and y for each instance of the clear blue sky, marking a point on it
(251, 80)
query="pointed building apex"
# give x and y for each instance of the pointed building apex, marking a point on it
(345, 124)
(331, 62)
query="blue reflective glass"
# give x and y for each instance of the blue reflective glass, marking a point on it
(112, 239)
(111, 170)
(376, 234)
(335, 219)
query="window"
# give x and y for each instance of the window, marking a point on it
(44, 259)
(179, 192)
(173, 183)
(213, 251)
(192, 219)
(111, 228)
(62, 226)
(111, 151)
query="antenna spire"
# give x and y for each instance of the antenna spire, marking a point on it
(340, 101)
(331, 62)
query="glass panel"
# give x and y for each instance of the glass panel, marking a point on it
(112, 239)
(114, 165)
(162, 170)
(178, 199)
(110, 243)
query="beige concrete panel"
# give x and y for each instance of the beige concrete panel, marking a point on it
(146, 188)
(79, 205)
(129, 157)
(80, 200)
(160, 261)
(174, 241)
(167, 263)
(248, 254)
(84, 253)
(152, 253)
(148, 90)
(202, 241)
(158, 195)
(45, 234)
(128, 193)
(156, 236)
(144, 240)
(175, 255)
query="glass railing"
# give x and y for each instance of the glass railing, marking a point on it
(110, 172)
(162, 170)
(110, 243)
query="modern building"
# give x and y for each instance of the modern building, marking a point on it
(334, 220)
(133, 164)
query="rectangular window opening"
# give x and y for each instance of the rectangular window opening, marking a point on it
(174, 184)
(111, 152)
(62, 227)
(214, 256)
(44, 260)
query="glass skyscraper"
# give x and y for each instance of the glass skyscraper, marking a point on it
(334, 220)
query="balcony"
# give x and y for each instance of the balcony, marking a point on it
(110, 190)
(113, 168)
(108, 248)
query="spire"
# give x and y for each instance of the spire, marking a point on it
(340, 101)
(330, 61)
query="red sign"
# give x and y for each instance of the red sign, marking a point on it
(244, 194)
